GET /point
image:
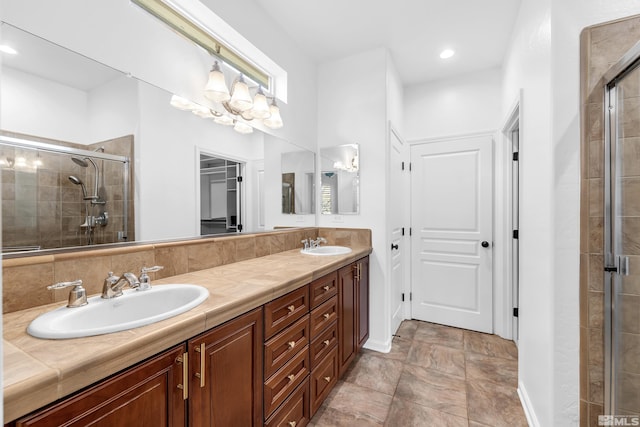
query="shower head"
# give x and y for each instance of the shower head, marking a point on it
(84, 162)
(78, 181)
(80, 162)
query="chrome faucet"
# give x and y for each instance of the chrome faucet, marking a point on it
(77, 296)
(113, 284)
(305, 242)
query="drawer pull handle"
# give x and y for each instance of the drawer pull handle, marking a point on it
(291, 377)
(292, 423)
(201, 374)
(326, 343)
(326, 315)
(326, 288)
(291, 344)
(184, 360)
(327, 379)
(291, 308)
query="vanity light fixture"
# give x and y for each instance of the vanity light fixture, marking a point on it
(242, 127)
(216, 88)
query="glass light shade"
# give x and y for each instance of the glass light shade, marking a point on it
(224, 120)
(216, 88)
(274, 121)
(182, 103)
(241, 98)
(242, 127)
(260, 108)
(203, 112)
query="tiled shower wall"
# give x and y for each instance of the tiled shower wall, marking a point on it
(601, 47)
(41, 207)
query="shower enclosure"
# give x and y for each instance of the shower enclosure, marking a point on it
(622, 236)
(55, 195)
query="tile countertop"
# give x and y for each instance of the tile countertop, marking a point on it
(39, 371)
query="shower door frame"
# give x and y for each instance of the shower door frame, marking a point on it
(61, 149)
(615, 263)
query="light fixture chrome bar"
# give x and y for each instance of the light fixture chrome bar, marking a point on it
(202, 38)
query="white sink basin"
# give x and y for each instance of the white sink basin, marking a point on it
(131, 310)
(327, 250)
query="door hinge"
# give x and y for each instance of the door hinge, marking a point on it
(409, 166)
(239, 227)
(516, 156)
(239, 179)
(515, 234)
(515, 311)
(403, 297)
(410, 296)
(403, 231)
(402, 165)
(410, 231)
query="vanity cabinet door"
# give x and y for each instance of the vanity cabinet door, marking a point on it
(147, 395)
(347, 320)
(226, 374)
(363, 302)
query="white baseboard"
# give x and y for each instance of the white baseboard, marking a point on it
(379, 346)
(532, 420)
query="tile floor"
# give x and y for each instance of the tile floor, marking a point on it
(434, 376)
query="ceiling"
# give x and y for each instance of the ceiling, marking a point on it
(414, 31)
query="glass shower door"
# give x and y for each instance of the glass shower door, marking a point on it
(622, 244)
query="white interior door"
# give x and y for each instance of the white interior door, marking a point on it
(398, 252)
(451, 212)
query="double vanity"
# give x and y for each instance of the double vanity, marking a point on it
(264, 348)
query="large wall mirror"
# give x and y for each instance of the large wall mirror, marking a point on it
(51, 95)
(340, 180)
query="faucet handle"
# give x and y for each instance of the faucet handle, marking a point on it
(305, 242)
(145, 270)
(145, 280)
(77, 295)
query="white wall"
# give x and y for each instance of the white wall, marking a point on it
(544, 60)
(457, 105)
(112, 110)
(36, 106)
(354, 110)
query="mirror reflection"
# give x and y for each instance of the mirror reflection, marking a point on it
(298, 182)
(86, 105)
(340, 180)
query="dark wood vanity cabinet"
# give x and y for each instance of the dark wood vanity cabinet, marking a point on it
(353, 311)
(148, 393)
(226, 374)
(272, 366)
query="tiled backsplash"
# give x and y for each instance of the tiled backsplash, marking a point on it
(25, 279)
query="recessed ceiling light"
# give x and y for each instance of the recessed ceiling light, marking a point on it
(447, 53)
(7, 49)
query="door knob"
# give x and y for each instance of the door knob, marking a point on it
(484, 244)
(393, 246)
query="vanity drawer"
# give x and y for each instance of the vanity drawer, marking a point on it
(323, 379)
(284, 311)
(279, 349)
(323, 316)
(322, 345)
(283, 382)
(294, 412)
(323, 288)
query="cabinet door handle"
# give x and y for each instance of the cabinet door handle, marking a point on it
(327, 379)
(291, 308)
(326, 288)
(184, 360)
(201, 374)
(291, 344)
